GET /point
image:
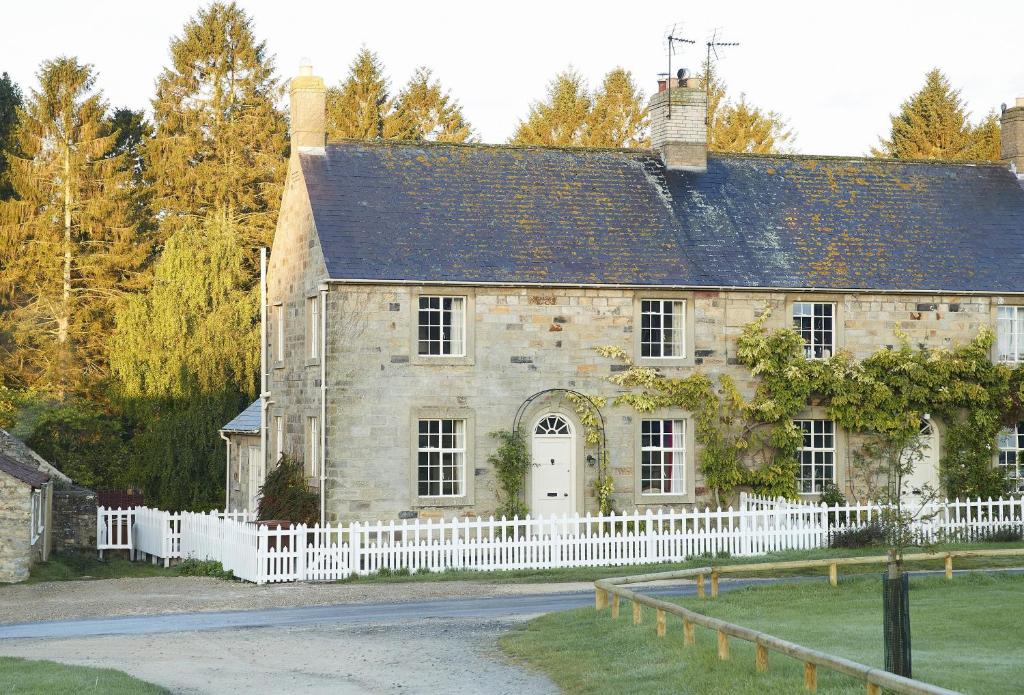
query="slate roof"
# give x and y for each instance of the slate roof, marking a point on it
(458, 213)
(246, 422)
(26, 474)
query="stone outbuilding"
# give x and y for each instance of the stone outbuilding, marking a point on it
(245, 469)
(26, 498)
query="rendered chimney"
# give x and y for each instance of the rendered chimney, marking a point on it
(307, 96)
(682, 136)
(1011, 137)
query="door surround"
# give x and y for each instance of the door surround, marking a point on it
(576, 449)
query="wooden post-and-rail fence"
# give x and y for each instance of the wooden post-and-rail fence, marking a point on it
(613, 591)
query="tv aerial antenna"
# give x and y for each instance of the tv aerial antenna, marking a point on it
(713, 44)
(672, 39)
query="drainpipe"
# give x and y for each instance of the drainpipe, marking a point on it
(227, 473)
(323, 406)
(264, 391)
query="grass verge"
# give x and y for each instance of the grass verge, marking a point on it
(46, 677)
(965, 636)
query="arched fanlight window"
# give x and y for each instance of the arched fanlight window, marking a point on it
(553, 424)
(926, 427)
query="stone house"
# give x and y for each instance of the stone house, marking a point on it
(26, 508)
(421, 296)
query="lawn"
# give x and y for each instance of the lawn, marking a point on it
(46, 677)
(965, 633)
(66, 566)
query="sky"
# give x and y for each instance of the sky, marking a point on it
(834, 70)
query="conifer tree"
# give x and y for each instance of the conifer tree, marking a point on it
(10, 100)
(985, 140)
(561, 118)
(360, 107)
(70, 241)
(740, 126)
(220, 141)
(619, 114)
(431, 111)
(184, 358)
(931, 124)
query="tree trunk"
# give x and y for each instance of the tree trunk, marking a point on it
(64, 319)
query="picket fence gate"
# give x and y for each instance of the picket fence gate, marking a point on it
(258, 553)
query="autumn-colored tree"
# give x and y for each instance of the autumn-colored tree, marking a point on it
(741, 126)
(70, 241)
(360, 107)
(618, 117)
(431, 111)
(933, 124)
(561, 118)
(220, 140)
(10, 100)
(185, 359)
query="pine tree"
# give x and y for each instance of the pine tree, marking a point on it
(560, 119)
(70, 243)
(931, 124)
(985, 140)
(431, 111)
(360, 107)
(740, 126)
(184, 358)
(619, 115)
(220, 141)
(10, 100)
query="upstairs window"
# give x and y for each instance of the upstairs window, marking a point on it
(279, 334)
(313, 449)
(442, 326)
(662, 456)
(1010, 334)
(815, 322)
(441, 458)
(313, 327)
(662, 326)
(816, 456)
(1011, 455)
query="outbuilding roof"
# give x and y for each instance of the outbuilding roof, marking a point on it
(246, 422)
(498, 214)
(26, 474)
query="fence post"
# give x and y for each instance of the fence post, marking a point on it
(354, 548)
(714, 584)
(615, 605)
(810, 677)
(637, 615)
(688, 638)
(723, 646)
(101, 532)
(762, 658)
(949, 566)
(660, 618)
(299, 540)
(833, 574)
(600, 599)
(700, 586)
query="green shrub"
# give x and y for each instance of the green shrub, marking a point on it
(384, 572)
(511, 462)
(204, 568)
(285, 496)
(866, 537)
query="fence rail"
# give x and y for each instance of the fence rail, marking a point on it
(874, 679)
(262, 554)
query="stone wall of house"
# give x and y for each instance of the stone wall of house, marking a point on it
(15, 524)
(240, 494)
(73, 521)
(523, 341)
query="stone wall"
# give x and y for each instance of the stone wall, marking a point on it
(527, 340)
(240, 493)
(73, 521)
(15, 526)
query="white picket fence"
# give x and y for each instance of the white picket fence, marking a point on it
(260, 554)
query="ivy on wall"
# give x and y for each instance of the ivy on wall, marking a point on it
(753, 441)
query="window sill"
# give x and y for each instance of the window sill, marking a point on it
(278, 365)
(442, 360)
(312, 362)
(659, 500)
(426, 502)
(665, 362)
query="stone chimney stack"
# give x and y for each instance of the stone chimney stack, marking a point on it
(1011, 137)
(307, 96)
(678, 123)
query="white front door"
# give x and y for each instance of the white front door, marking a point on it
(256, 477)
(926, 470)
(552, 479)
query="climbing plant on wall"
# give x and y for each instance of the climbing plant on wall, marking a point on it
(752, 441)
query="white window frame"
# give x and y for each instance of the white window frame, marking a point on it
(1011, 455)
(677, 451)
(455, 342)
(313, 434)
(814, 451)
(1010, 334)
(279, 336)
(278, 437)
(815, 346)
(655, 310)
(313, 327)
(38, 519)
(435, 445)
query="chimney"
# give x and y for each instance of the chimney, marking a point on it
(682, 135)
(1011, 137)
(307, 98)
